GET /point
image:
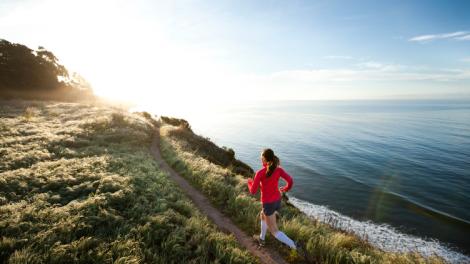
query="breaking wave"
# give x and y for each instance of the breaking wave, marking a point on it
(382, 236)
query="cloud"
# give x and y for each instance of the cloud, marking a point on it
(338, 57)
(384, 67)
(460, 35)
(466, 37)
(465, 59)
(371, 72)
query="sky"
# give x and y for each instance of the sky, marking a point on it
(199, 51)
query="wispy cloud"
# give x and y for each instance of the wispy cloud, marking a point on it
(466, 59)
(373, 71)
(459, 35)
(338, 57)
(466, 37)
(379, 66)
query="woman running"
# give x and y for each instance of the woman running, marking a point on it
(268, 178)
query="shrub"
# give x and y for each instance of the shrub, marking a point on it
(176, 122)
(206, 149)
(30, 112)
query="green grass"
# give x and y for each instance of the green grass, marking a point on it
(228, 191)
(78, 185)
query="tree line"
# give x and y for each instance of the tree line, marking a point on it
(37, 74)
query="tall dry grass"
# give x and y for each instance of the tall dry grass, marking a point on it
(78, 184)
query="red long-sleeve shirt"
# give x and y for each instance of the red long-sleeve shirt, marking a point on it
(270, 185)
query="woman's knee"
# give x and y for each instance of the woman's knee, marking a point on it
(273, 229)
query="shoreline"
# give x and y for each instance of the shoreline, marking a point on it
(383, 236)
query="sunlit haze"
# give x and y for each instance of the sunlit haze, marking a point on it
(192, 52)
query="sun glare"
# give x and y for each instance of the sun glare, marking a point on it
(127, 56)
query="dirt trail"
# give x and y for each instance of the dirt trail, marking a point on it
(265, 255)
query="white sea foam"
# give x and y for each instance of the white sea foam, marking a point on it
(382, 236)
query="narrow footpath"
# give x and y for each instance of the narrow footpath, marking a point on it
(265, 255)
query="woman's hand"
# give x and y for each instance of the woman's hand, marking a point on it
(284, 196)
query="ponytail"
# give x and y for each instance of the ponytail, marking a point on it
(271, 160)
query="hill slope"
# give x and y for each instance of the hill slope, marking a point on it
(78, 185)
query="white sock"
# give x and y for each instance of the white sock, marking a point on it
(264, 229)
(285, 239)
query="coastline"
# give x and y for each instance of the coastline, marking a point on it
(382, 236)
(406, 172)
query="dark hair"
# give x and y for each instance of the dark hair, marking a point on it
(271, 159)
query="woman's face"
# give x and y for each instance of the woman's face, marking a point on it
(263, 160)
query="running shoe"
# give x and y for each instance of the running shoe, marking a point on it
(259, 241)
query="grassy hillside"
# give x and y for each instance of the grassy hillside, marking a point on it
(228, 190)
(78, 185)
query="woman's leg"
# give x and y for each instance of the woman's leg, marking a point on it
(264, 226)
(271, 221)
(272, 226)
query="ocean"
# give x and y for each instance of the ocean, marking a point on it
(396, 173)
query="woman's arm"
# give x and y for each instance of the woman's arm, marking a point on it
(288, 179)
(253, 185)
